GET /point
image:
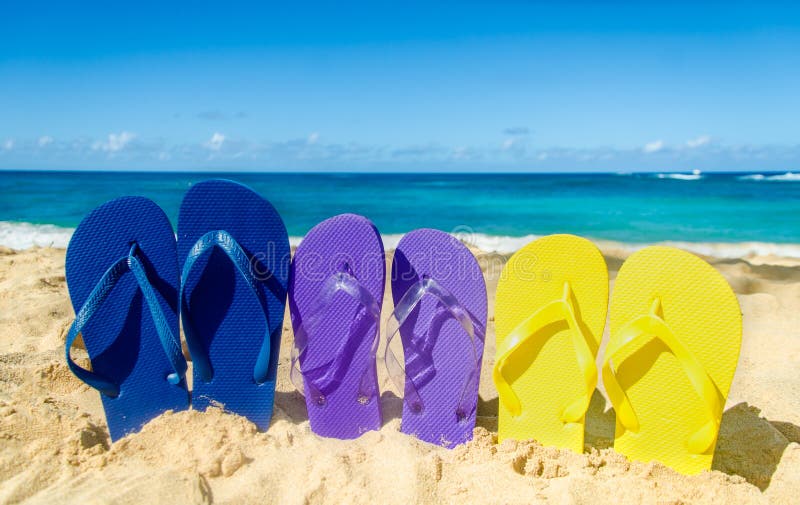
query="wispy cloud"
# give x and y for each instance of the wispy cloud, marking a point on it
(516, 146)
(517, 143)
(698, 142)
(312, 152)
(215, 142)
(218, 115)
(465, 153)
(517, 130)
(424, 151)
(116, 142)
(653, 147)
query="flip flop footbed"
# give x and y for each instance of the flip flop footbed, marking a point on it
(339, 329)
(702, 312)
(121, 338)
(544, 372)
(227, 321)
(438, 352)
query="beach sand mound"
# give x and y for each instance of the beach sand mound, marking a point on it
(55, 447)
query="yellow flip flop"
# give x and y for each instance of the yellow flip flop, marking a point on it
(550, 312)
(676, 330)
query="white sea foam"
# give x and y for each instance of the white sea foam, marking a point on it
(751, 177)
(787, 177)
(390, 240)
(724, 250)
(694, 176)
(25, 235)
(507, 245)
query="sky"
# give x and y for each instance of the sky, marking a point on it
(400, 86)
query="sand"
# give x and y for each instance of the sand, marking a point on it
(54, 447)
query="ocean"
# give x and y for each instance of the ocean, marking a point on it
(728, 214)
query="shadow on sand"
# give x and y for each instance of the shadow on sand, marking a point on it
(748, 445)
(292, 404)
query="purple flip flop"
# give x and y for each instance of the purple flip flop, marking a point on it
(336, 288)
(440, 313)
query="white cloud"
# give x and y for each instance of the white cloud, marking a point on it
(116, 142)
(466, 153)
(460, 153)
(698, 142)
(215, 142)
(45, 140)
(511, 143)
(507, 153)
(654, 146)
(516, 144)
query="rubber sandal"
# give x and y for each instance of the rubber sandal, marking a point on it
(122, 275)
(676, 331)
(235, 254)
(335, 297)
(440, 315)
(550, 313)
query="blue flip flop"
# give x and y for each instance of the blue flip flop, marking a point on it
(122, 276)
(235, 254)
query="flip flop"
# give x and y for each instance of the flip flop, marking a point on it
(235, 254)
(440, 314)
(122, 275)
(676, 330)
(335, 297)
(550, 313)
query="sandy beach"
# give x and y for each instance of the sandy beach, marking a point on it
(55, 447)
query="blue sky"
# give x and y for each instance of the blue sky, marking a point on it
(400, 86)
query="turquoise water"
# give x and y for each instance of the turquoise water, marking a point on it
(627, 208)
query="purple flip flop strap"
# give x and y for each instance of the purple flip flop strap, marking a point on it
(323, 379)
(420, 367)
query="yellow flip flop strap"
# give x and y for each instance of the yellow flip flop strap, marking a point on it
(635, 334)
(553, 312)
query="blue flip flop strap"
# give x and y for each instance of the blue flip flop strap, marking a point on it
(419, 353)
(243, 263)
(330, 373)
(169, 341)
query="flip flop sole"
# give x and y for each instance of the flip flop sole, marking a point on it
(121, 338)
(545, 374)
(352, 243)
(702, 311)
(440, 256)
(227, 320)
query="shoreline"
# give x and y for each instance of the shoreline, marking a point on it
(19, 236)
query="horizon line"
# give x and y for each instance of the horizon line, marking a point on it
(392, 172)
